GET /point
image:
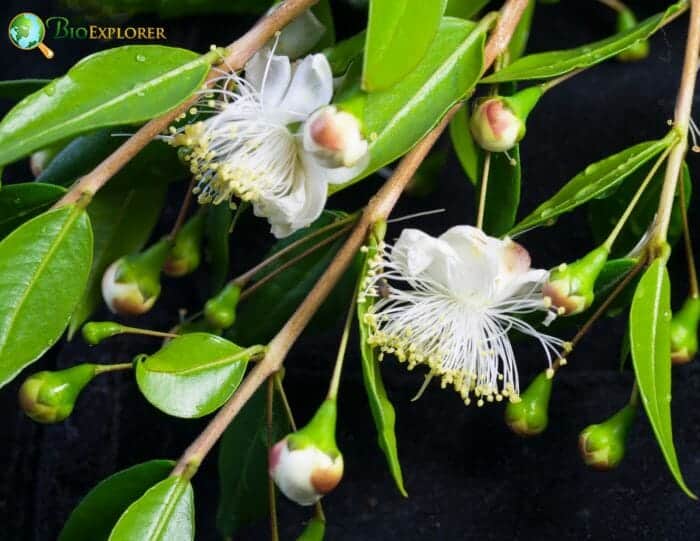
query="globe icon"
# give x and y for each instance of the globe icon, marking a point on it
(27, 32)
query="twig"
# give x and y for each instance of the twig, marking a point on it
(272, 494)
(238, 53)
(182, 214)
(378, 208)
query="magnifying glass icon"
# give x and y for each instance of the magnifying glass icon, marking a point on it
(27, 32)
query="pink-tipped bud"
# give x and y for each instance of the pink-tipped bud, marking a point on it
(495, 126)
(304, 474)
(124, 297)
(335, 137)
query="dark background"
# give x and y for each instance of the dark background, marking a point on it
(467, 475)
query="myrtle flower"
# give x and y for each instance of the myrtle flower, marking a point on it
(273, 140)
(450, 302)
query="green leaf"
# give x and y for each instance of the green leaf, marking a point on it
(216, 233)
(518, 42)
(398, 118)
(554, 63)
(99, 510)
(192, 375)
(122, 219)
(164, 513)
(324, 13)
(43, 271)
(314, 530)
(243, 464)
(399, 33)
(19, 88)
(596, 180)
(603, 214)
(124, 85)
(466, 9)
(20, 202)
(344, 53)
(650, 342)
(156, 163)
(278, 298)
(467, 151)
(379, 403)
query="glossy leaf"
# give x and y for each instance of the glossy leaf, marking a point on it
(596, 180)
(156, 163)
(344, 53)
(243, 464)
(20, 202)
(99, 510)
(43, 272)
(122, 219)
(278, 298)
(650, 343)
(113, 87)
(192, 375)
(379, 403)
(603, 214)
(19, 88)
(397, 118)
(465, 147)
(518, 42)
(399, 33)
(218, 250)
(554, 63)
(466, 9)
(164, 513)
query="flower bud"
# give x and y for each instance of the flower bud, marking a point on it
(684, 331)
(96, 331)
(570, 287)
(307, 464)
(185, 254)
(640, 49)
(220, 311)
(49, 397)
(40, 160)
(131, 285)
(334, 137)
(498, 123)
(602, 445)
(529, 416)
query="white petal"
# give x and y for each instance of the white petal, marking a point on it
(332, 175)
(421, 257)
(311, 86)
(273, 84)
(477, 270)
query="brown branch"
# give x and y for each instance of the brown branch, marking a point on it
(238, 53)
(378, 208)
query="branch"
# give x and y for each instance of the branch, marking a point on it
(681, 121)
(378, 208)
(238, 53)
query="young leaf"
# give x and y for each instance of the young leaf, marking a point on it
(554, 63)
(650, 343)
(399, 33)
(216, 233)
(164, 513)
(379, 403)
(19, 88)
(243, 464)
(99, 510)
(192, 375)
(122, 220)
(603, 214)
(124, 85)
(596, 180)
(43, 271)
(20, 202)
(400, 116)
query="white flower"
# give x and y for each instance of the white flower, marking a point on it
(253, 147)
(463, 292)
(304, 475)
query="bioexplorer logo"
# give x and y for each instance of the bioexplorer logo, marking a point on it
(27, 31)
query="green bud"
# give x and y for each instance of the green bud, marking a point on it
(220, 311)
(49, 396)
(186, 253)
(570, 287)
(602, 445)
(96, 331)
(640, 49)
(529, 415)
(498, 123)
(131, 285)
(319, 432)
(684, 331)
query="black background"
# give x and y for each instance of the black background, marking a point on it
(467, 475)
